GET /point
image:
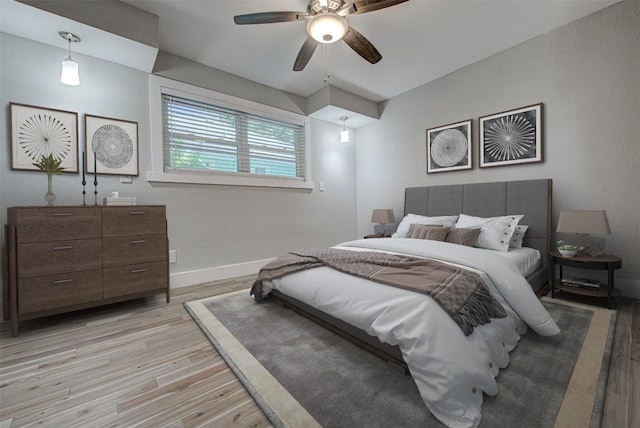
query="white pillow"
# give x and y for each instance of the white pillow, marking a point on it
(409, 219)
(518, 236)
(496, 232)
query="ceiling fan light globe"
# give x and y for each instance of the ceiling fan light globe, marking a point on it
(327, 27)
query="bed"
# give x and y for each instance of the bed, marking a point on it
(451, 369)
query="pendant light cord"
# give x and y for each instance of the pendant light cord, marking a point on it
(327, 74)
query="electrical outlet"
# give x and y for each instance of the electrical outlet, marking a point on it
(321, 186)
(173, 256)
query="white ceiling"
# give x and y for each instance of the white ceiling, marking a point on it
(419, 40)
(36, 24)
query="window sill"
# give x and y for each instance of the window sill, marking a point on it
(163, 177)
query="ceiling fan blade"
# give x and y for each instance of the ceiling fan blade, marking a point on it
(268, 17)
(306, 51)
(364, 6)
(362, 46)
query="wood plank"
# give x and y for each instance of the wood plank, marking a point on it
(634, 369)
(616, 398)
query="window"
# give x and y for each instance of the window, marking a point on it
(207, 137)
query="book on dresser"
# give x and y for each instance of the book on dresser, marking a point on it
(119, 200)
(61, 259)
(581, 283)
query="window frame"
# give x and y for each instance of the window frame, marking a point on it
(159, 85)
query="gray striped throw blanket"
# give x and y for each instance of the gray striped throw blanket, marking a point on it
(461, 293)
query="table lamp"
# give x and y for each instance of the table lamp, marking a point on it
(585, 222)
(382, 217)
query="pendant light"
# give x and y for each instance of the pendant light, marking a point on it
(69, 75)
(344, 134)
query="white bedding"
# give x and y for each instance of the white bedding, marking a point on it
(450, 369)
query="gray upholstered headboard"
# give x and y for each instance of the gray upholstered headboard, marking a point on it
(529, 197)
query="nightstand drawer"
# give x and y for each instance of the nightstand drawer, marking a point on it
(130, 250)
(54, 224)
(48, 258)
(133, 220)
(58, 291)
(133, 279)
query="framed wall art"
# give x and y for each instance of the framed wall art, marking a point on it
(449, 147)
(111, 145)
(511, 137)
(39, 131)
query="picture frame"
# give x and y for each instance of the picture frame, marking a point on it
(449, 147)
(511, 137)
(41, 131)
(111, 145)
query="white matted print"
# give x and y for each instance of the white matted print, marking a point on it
(449, 147)
(39, 131)
(111, 145)
(511, 137)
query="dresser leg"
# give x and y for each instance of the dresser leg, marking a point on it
(610, 288)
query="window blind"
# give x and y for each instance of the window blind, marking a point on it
(203, 138)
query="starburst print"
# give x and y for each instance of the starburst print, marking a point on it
(510, 137)
(42, 134)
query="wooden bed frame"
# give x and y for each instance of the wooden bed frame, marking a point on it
(533, 198)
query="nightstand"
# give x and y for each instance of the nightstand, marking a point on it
(603, 262)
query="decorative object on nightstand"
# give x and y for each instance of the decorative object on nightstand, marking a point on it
(383, 217)
(584, 222)
(567, 250)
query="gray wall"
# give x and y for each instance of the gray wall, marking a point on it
(587, 74)
(209, 226)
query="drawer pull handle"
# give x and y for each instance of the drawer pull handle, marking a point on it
(136, 212)
(62, 214)
(140, 241)
(62, 281)
(64, 247)
(138, 270)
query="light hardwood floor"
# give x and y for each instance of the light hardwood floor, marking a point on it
(145, 363)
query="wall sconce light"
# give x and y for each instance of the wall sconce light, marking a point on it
(69, 75)
(344, 134)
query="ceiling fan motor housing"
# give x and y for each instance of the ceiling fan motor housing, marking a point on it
(315, 6)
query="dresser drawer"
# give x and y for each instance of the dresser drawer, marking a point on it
(133, 279)
(55, 224)
(133, 220)
(58, 291)
(128, 250)
(48, 258)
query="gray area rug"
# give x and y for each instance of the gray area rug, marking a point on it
(342, 385)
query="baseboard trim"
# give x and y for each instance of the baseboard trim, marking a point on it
(183, 279)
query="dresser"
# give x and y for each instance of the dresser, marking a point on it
(60, 259)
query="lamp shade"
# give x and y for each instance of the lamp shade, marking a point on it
(382, 216)
(70, 75)
(591, 222)
(327, 27)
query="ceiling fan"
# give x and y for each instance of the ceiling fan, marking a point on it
(326, 23)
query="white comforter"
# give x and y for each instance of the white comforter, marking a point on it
(450, 369)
